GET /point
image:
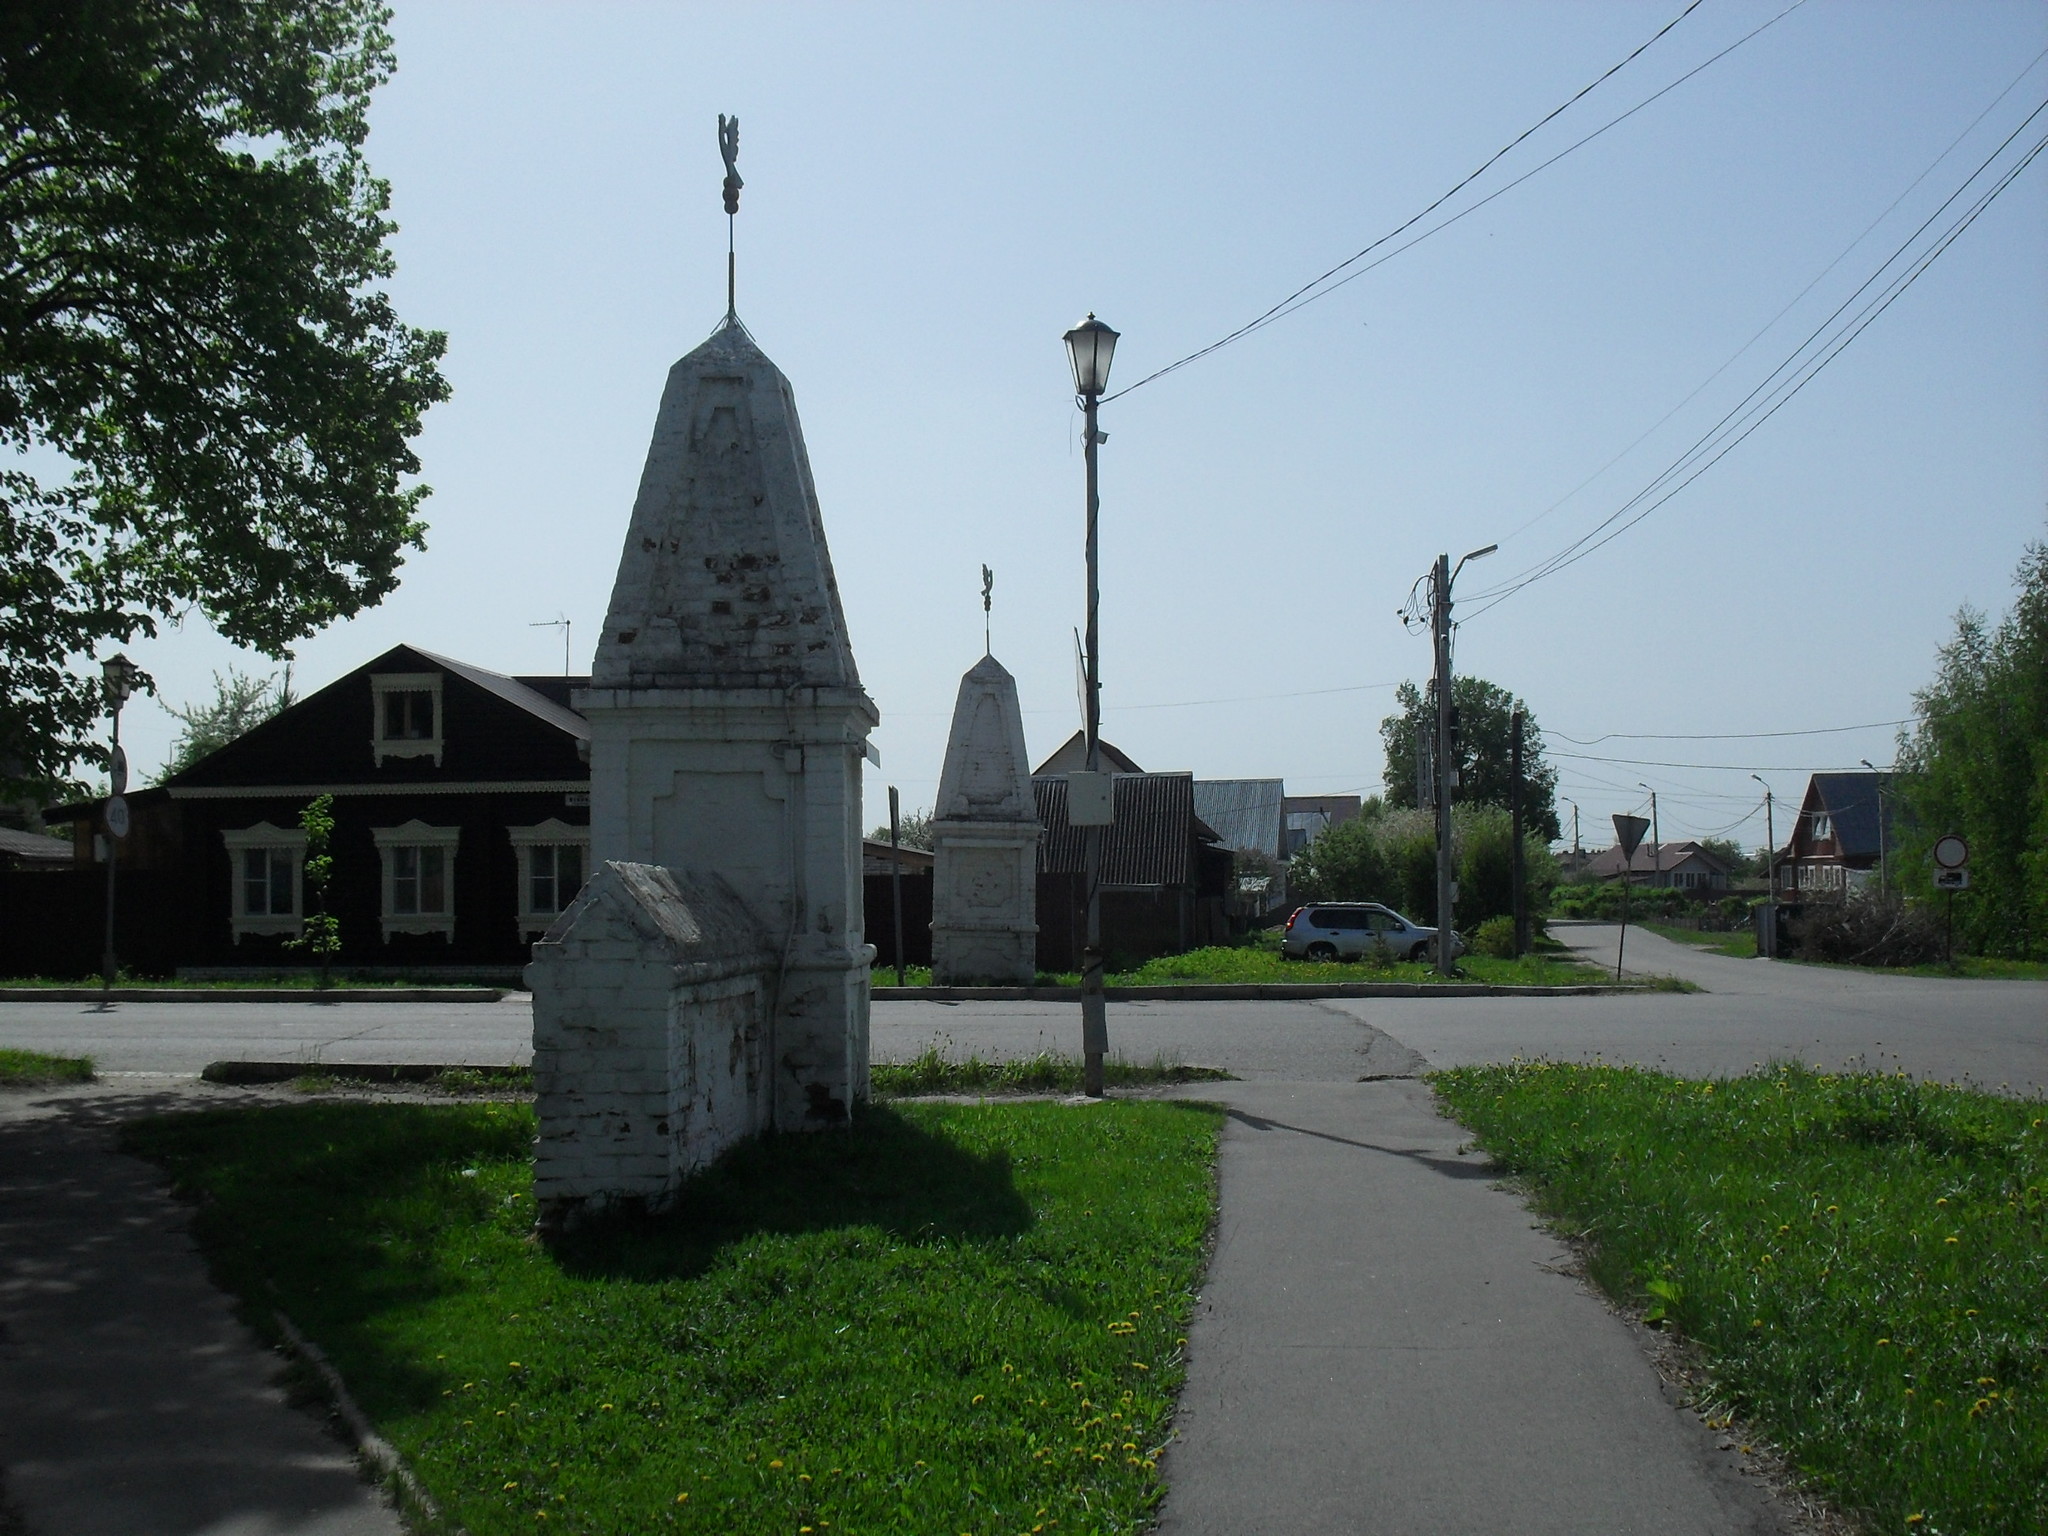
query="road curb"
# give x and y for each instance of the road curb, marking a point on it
(1235, 992)
(253, 994)
(254, 1073)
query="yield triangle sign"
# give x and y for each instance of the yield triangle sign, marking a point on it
(1628, 831)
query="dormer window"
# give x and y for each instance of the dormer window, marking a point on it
(406, 718)
(1823, 827)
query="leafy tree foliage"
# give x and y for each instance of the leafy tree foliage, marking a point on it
(912, 831)
(1740, 861)
(1389, 856)
(1485, 738)
(1976, 764)
(205, 400)
(239, 702)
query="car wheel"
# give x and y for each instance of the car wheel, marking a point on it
(1322, 951)
(1419, 953)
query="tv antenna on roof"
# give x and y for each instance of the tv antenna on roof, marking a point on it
(561, 623)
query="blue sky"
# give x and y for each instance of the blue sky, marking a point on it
(934, 193)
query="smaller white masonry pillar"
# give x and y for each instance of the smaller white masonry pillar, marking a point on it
(985, 840)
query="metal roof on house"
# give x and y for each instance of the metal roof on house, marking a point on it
(1072, 756)
(514, 692)
(33, 847)
(1670, 856)
(1853, 802)
(1151, 841)
(1245, 813)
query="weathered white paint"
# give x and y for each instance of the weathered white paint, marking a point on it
(727, 720)
(985, 840)
(650, 1005)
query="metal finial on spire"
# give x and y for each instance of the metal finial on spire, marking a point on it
(729, 150)
(988, 585)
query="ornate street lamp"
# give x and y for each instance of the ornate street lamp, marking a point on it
(1090, 346)
(118, 674)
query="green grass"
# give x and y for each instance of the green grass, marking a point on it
(1969, 967)
(455, 1081)
(1263, 962)
(293, 979)
(1862, 1259)
(932, 1070)
(1740, 943)
(34, 1069)
(951, 1318)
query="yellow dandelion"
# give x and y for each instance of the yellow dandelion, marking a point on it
(508, 1487)
(775, 1464)
(682, 1498)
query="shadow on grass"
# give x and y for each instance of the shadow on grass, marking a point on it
(885, 1172)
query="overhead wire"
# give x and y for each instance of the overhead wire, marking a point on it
(1819, 730)
(1307, 291)
(1790, 376)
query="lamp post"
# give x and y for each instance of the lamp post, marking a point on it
(1771, 839)
(1881, 888)
(118, 674)
(1442, 580)
(1090, 346)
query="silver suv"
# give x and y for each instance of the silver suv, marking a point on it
(1351, 930)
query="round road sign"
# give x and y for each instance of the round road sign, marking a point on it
(117, 816)
(1951, 852)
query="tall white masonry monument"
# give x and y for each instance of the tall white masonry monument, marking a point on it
(712, 980)
(985, 840)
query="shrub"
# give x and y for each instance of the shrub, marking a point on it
(1868, 930)
(1495, 938)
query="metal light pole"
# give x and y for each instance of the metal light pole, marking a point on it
(118, 674)
(1090, 346)
(1881, 891)
(1771, 840)
(1441, 582)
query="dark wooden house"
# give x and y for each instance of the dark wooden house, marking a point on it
(461, 827)
(1842, 832)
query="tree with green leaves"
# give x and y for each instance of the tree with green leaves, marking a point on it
(239, 703)
(321, 935)
(1976, 764)
(1485, 744)
(207, 399)
(912, 831)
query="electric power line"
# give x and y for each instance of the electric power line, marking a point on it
(1822, 730)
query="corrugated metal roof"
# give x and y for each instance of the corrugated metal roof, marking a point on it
(1151, 841)
(1246, 813)
(513, 692)
(34, 847)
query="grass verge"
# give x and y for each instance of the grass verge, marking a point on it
(454, 1081)
(932, 1070)
(1861, 1259)
(34, 1069)
(1740, 943)
(951, 1318)
(1248, 963)
(1968, 967)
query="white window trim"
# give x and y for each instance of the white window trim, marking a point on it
(381, 746)
(417, 834)
(552, 833)
(264, 835)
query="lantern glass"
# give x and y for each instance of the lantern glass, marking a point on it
(1090, 346)
(119, 675)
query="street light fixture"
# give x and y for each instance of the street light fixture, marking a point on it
(1090, 347)
(1882, 889)
(118, 676)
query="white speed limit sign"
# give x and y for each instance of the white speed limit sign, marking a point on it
(1952, 852)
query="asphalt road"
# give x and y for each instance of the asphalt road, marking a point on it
(1994, 1033)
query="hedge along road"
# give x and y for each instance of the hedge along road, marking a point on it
(1994, 1033)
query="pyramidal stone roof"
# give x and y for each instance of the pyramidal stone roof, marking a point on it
(725, 580)
(987, 777)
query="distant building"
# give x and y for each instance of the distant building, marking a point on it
(1308, 817)
(1685, 866)
(1842, 831)
(1249, 816)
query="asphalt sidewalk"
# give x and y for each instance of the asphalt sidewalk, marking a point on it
(132, 1402)
(1387, 1343)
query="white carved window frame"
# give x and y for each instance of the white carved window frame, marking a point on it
(417, 835)
(269, 839)
(552, 833)
(384, 684)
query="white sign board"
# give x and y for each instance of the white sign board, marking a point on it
(117, 816)
(1951, 879)
(1951, 852)
(1089, 799)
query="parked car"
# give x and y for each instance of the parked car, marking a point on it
(1351, 930)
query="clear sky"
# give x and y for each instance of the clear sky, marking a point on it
(934, 193)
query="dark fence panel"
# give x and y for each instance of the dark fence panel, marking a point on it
(53, 923)
(878, 909)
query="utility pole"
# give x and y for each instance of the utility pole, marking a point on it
(896, 876)
(1441, 579)
(1521, 904)
(1770, 838)
(1446, 759)
(1882, 888)
(1656, 860)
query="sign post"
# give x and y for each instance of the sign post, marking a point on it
(1628, 836)
(1951, 874)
